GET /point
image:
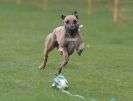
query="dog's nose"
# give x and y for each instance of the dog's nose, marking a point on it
(72, 27)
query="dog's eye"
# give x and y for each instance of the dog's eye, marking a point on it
(74, 21)
(67, 22)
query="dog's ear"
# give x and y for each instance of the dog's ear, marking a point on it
(75, 13)
(63, 17)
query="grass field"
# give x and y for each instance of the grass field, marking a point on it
(103, 72)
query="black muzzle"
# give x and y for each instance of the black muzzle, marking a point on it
(72, 29)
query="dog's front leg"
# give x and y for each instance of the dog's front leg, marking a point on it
(64, 53)
(79, 44)
(80, 48)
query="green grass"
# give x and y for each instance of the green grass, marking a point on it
(104, 71)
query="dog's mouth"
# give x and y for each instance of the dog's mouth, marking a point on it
(72, 29)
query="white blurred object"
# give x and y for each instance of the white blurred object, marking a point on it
(81, 26)
(88, 46)
(60, 82)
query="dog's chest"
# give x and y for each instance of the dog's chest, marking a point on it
(70, 45)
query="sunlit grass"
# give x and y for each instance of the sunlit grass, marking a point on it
(103, 72)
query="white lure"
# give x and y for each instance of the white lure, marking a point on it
(60, 82)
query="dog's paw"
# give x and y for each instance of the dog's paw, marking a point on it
(80, 51)
(60, 52)
(41, 66)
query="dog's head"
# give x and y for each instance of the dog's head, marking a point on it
(71, 23)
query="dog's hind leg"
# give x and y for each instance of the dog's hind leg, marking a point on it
(43, 65)
(50, 44)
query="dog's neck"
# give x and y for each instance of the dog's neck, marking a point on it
(70, 35)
